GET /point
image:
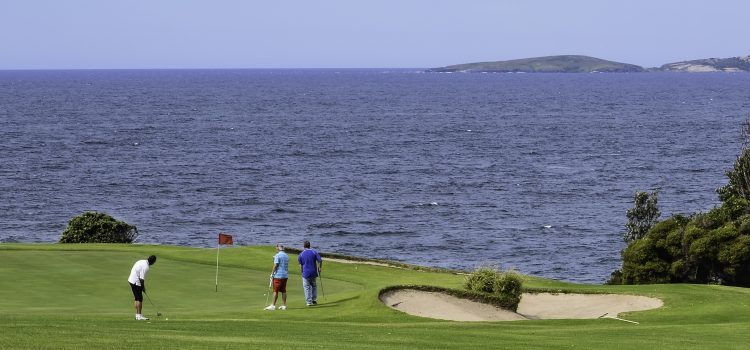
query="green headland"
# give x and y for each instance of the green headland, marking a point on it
(548, 64)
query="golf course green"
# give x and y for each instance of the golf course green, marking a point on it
(76, 296)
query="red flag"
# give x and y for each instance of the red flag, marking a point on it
(225, 239)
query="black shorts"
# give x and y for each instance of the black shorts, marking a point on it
(137, 292)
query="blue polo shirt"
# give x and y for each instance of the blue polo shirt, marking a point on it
(308, 259)
(283, 260)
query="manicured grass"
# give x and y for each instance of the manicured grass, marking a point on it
(76, 296)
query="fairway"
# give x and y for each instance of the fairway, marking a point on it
(76, 296)
(91, 282)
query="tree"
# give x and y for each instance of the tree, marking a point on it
(739, 178)
(644, 214)
(745, 134)
(712, 247)
(93, 227)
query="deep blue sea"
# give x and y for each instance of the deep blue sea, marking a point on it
(525, 171)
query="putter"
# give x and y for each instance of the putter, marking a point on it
(322, 291)
(152, 304)
(268, 294)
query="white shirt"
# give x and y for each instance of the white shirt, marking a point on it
(138, 272)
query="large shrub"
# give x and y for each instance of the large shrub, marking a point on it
(712, 247)
(93, 227)
(507, 285)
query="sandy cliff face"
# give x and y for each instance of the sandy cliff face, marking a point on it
(692, 68)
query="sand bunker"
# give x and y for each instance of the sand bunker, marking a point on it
(532, 306)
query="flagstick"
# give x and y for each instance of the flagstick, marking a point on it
(217, 267)
(622, 319)
(616, 318)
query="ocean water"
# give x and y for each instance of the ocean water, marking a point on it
(526, 171)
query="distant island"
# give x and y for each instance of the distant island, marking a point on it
(548, 64)
(732, 64)
(586, 64)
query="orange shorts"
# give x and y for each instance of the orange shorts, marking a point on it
(279, 285)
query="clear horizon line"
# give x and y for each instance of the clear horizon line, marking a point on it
(213, 68)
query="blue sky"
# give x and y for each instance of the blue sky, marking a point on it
(97, 34)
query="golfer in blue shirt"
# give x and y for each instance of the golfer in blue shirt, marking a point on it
(279, 274)
(311, 264)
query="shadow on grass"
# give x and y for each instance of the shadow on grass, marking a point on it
(336, 303)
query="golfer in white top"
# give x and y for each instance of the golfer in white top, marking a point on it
(137, 282)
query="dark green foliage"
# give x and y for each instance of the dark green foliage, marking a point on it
(93, 227)
(739, 178)
(644, 214)
(507, 285)
(712, 247)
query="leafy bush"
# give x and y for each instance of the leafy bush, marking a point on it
(93, 227)
(507, 285)
(510, 284)
(712, 247)
(483, 280)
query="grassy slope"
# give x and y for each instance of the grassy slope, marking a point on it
(75, 296)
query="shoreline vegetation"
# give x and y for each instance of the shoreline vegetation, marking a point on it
(586, 64)
(59, 295)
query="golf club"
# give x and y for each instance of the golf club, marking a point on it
(152, 304)
(322, 291)
(268, 294)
